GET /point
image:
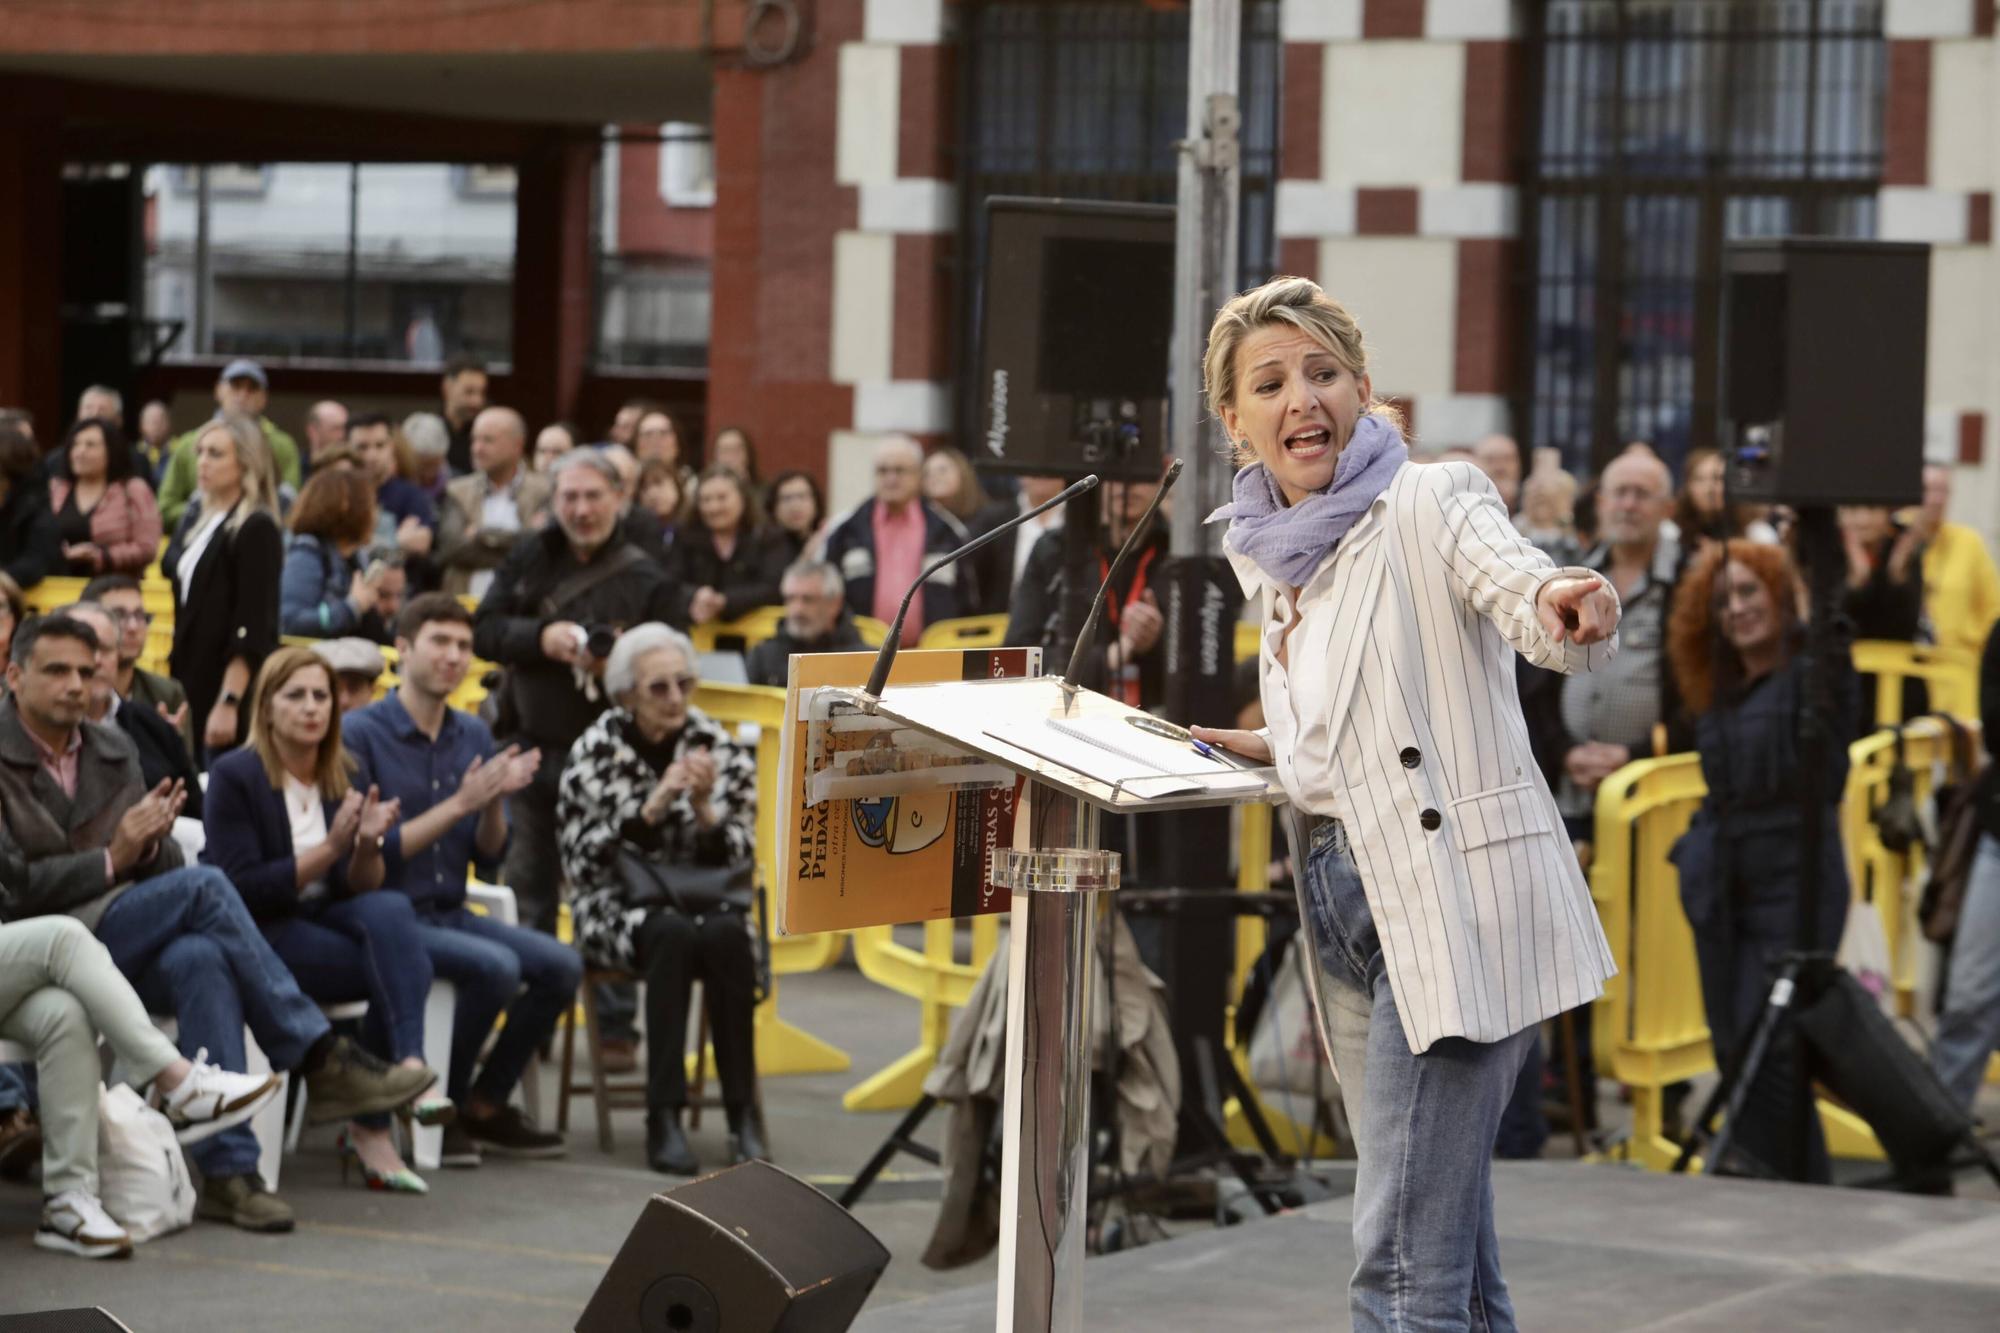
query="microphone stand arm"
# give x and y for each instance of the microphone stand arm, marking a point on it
(1123, 558)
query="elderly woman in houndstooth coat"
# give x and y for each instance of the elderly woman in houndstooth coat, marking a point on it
(654, 776)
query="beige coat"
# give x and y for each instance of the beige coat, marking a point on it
(462, 546)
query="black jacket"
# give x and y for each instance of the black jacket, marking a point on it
(549, 710)
(30, 549)
(769, 663)
(163, 755)
(1036, 616)
(850, 547)
(748, 578)
(1989, 724)
(230, 610)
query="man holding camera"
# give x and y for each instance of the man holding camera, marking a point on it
(554, 610)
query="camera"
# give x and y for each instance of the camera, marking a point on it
(599, 640)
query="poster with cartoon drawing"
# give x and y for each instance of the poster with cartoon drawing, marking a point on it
(887, 860)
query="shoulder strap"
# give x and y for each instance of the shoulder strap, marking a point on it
(625, 558)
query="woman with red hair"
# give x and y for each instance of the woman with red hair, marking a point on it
(1737, 646)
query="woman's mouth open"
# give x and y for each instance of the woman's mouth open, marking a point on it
(1308, 442)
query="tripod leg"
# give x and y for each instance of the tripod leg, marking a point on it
(1782, 992)
(898, 1140)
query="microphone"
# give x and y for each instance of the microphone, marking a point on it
(879, 678)
(1091, 621)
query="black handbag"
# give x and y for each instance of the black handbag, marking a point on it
(689, 890)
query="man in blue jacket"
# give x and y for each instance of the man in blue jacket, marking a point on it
(442, 765)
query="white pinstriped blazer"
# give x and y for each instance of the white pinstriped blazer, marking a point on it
(1411, 734)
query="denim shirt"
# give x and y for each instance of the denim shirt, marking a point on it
(397, 757)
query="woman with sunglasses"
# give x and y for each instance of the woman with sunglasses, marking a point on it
(655, 779)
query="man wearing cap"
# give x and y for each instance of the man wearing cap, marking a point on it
(243, 387)
(356, 664)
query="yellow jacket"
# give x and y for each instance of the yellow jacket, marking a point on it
(1962, 598)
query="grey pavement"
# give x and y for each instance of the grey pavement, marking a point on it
(521, 1245)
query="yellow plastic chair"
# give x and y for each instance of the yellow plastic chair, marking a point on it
(743, 633)
(965, 632)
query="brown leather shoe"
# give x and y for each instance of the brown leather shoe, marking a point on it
(621, 1056)
(20, 1143)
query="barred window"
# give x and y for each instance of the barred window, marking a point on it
(1664, 128)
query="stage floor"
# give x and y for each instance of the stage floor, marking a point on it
(1586, 1249)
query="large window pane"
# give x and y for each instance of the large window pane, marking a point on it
(398, 263)
(655, 238)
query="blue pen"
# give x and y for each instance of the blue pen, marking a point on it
(1207, 751)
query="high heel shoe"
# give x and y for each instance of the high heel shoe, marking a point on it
(400, 1181)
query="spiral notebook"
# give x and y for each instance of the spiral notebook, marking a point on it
(1112, 751)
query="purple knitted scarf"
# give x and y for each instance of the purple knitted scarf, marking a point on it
(1288, 542)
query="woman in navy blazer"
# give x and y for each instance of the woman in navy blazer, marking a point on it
(305, 851)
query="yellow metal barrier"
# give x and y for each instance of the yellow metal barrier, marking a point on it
(1952, 675)
(965, 632)
(1650, 1028)
(52, 592)
(782, 1047)
(939, 984)
(748, 629)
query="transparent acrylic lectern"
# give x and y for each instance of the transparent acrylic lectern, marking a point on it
(984, 733)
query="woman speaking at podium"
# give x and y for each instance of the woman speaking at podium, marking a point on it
(1448, 914)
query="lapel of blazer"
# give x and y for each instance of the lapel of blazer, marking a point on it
(1356, 572)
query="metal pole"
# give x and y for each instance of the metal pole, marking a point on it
(1045, 1146)
(1205, 264)
(204, 283)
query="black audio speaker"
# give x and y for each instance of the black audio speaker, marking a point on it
(1076, 316)
(1823, 371)
(62, 1321)
(746, 1250)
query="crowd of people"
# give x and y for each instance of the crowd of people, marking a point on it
(337, 831)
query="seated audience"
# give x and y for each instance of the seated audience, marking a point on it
(122, 597)
(326, 431)
(163, 755)
(303, 846)
(106, 518)
(1548, 514)
(59, 990)
(13, 610)
(643, 528)
(453, 786)
(727, 562)
(30, 546)
(1735, 644)
(96, 846)
(624, 427)
(882, 547)
(554, 440)
(816, 621)
(1884, 597)
(1499, 457)
(661, 497)
(225, 562)
(487, 510)
(405, 518)
(654, 778)
(463, 391)
(798, 511)
(951, 484)
(155, 441)
(1000, 565)
(732, 449)
(429, 440)
(241, 390)
(1127, 659)
(325, 592)
(357, 664)
(1700, 514)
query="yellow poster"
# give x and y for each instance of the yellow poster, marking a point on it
(887, 860)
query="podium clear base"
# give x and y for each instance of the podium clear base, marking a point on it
(1045, 1164)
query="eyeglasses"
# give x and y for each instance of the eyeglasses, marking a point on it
(893, 469)
(132, 617)
(666, 686)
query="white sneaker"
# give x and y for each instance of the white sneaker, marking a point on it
(76, 1222)
(210, 1100)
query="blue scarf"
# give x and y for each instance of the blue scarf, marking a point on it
(1288, 542)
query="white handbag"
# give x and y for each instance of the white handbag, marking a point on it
(143, 1179)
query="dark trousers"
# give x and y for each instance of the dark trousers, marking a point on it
(534, 867)
(674, 949)
(498, 968)
(362, 948)
(1738, 952)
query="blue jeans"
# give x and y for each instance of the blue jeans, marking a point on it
(362, 948)
(1426, 1253)
(1969, 1029)
(489, 962)
(188, 946)
(17, 1088)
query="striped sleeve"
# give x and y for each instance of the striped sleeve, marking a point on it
(1498, 572)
